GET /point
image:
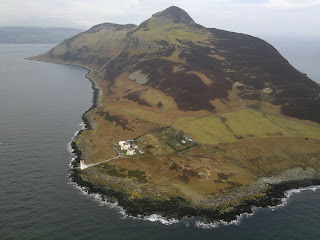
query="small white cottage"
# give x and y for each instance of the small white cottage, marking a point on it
(131, 152)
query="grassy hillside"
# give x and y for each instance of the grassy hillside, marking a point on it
(93, 47)
(243, 124)
(202, 69)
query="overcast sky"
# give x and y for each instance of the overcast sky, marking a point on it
(256, 17)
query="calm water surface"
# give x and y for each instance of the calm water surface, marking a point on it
(40, 109)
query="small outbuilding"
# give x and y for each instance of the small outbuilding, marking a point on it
(131, 152)
(238, 84)
(125, 146)
(267, 90)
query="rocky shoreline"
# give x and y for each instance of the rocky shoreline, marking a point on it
(176, 207)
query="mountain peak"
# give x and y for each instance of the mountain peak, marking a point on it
(176, 14)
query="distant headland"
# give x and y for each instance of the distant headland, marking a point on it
(24, 35)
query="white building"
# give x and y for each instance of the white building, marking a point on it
(131, 152)
(125, 146)
(121, 143)
(83, 165)
(129, 146)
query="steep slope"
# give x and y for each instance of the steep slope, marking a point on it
(194, 65)
(93, 47)
(259, 66)
(153, 50)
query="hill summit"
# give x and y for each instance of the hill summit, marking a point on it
(176, 14)
(197, 69)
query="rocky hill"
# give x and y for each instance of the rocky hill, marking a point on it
(193, 64)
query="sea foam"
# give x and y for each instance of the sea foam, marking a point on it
(219, 223)
(289, 193)
(69, 145)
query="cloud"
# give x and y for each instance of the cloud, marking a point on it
(287, 4)
(256, 17)
(79, 12)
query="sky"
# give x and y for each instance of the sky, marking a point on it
(294, 18)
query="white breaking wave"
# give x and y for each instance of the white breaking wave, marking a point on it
(198, 223)
(237, 221)
(69, 146)
(291, 192)
(242, 216)
(102, 202)
(70, 150)
(159, 218)
(96, 197)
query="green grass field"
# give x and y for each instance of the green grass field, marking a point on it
(208, 130)
(243, 124)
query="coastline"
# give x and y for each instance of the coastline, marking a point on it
(175, 208)
(178, 208)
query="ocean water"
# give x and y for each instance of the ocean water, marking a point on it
(40, 110)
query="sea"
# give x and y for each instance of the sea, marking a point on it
(41, 105)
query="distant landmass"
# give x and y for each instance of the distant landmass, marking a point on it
(191, 121)
(36, 34)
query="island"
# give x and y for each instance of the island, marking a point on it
(189, 121)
